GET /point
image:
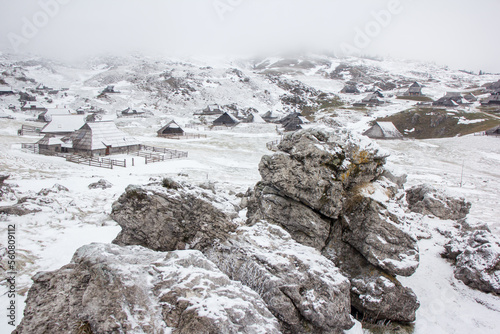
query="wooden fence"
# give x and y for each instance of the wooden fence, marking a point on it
(184, 136)
(153, 154)
(95, 162)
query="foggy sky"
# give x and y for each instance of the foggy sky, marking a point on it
(458, 33)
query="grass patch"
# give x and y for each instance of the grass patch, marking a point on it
(425, 123)
(416, 98)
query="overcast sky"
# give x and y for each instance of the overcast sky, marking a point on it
(458, 33)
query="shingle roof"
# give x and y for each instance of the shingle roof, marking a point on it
(99, 135)
(64, 124)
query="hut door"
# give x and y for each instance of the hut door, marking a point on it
(108, 148)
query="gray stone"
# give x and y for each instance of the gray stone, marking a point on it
(113, 289)
(169, 219)
(374, 293)
(476, 255)
(426, 199)
(376, 235)
(101, 184)
(316, 168)
(319, 188)
(302, 288)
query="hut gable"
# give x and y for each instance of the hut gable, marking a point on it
(415, 89)
(171, 129)
(373, 98)
(225, 120)
(102, 138)
(383, 130)
(64, 124)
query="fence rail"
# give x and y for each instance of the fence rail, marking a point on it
(184, 136)
(96, 162)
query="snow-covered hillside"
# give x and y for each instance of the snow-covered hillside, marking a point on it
(68, 217)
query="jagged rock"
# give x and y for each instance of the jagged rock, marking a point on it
(303, 289)
(306, 226)
(374, 293)
(374, 234)
(167, 219)
(56, 188)
(101, 184)
(113, 289)
(315, 168)
(426, 199)
(326, 191)
(18, 210)
(476, 255)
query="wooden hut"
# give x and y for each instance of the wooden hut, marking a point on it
(350, 89)
(225, 120)
(47, 114)
(172, 129)
(374, 99)
(415, 89)
(50, 144)
(383, 130)
(494, 99)
(102, 138)
(493, 132)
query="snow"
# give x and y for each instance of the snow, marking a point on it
(463, 166)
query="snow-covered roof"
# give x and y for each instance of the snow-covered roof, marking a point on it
(389, 130)
(64, 124)
(171, 124)
(99, 135)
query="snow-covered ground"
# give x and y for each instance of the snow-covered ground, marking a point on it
(46, 240)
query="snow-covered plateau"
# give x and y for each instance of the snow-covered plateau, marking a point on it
(63, 213)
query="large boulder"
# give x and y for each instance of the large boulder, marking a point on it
(172, 218)
(331, 192)
(316, 168)
(113, 289)
(375, 295)
(303, 289)
(476, 255)
(377, 235)
(426, 199)
(304, 224)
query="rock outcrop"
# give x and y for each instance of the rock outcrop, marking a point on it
(113, 289)
(101, 184)
(476, 255)
(324, 188)
(165, 219)
(426, 199)
(301, 288)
